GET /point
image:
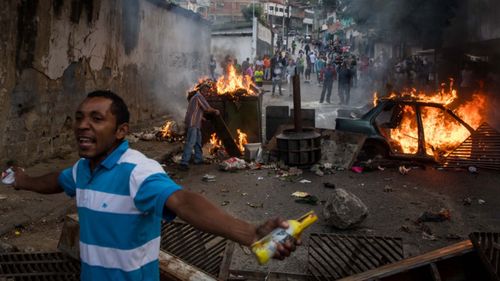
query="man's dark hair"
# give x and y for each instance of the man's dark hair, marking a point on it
(118, 106)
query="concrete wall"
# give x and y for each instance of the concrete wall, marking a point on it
(238, 46)
(54, 52)
(237, 42)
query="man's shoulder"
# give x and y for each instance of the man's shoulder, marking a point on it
(135, 157)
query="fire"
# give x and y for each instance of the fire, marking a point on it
(166, 130)
(231, 83)
(442, 132)
(241, 140)
(215, 142)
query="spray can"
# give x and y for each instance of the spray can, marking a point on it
(265, 248)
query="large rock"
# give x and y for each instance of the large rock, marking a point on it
(344, 210)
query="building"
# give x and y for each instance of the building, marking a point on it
(198, 6)
(223, 11)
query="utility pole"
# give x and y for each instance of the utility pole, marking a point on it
(283, 28)
(254, 32)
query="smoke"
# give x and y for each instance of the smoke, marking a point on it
(176, 42)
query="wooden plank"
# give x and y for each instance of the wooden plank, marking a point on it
(457, 249)
(225, 136)
(226, 261)
(173, 268)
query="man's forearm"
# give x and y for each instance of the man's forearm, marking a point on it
(46, 184)
(202, 214)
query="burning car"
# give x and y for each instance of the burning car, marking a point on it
(416, 125)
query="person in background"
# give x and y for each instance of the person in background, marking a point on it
(328, 75)
(245, 65)
(122, 197)
(197, 107)
(249, 72)
(259, 76)
(212, 65)
(345, 80)
(277, 77)
(267, 68)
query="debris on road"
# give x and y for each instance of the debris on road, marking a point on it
(357, 169)
(305, 181)
(467, 201)
(442, 215)
(405, 228)
(329, 184)
(309, 199)
(472, 169)
(388, 188)
(481, 202)
(403, 170)
(427, 236)
(208, 178)
(232, 164)
(261, 205)
(300, 194)
(224, 203)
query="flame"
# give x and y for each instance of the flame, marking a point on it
(232, 82)
(442, 132)
(166, 130)
(241, 140)
(215, 142)
(375, 99)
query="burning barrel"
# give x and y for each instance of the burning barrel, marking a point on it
(239, 103)
(299, 146)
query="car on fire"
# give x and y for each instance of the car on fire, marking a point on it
(394, 119)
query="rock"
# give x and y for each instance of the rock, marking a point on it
(344, 210)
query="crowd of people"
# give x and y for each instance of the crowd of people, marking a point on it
(333, 62)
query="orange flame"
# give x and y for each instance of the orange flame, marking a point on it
(215, 142)
(166, 130)
(232, 82)
(241, 140)
(442, 132)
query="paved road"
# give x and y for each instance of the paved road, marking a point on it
(310, 94)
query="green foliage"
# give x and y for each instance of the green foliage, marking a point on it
(248, 12)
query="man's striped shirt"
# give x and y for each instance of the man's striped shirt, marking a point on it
(120, 208)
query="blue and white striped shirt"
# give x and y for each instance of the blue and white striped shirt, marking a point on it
(120, 208)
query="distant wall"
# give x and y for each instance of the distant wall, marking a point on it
(54, 52)
(235, 44)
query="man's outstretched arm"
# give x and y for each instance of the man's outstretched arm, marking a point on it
(46, 184)
(204, 215)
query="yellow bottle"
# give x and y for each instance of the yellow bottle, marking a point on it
(265, 248)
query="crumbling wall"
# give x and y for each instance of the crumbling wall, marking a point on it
(54, 52)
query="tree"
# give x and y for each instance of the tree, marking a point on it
(248, 12)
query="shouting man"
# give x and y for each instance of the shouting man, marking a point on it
(122, 197)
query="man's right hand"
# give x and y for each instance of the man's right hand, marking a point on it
(216, 112)
(21, 178)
